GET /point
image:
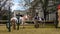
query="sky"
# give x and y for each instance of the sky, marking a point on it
(19, 5)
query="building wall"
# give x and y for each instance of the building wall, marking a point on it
(50, 8)
(39, 9)
(21, 12)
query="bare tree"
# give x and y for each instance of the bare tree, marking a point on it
(4, 7)
(2, 3)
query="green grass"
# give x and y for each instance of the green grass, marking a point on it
(30, 30)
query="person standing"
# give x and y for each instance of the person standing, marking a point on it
(36, 18)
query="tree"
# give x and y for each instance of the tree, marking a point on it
(4, 5)
(49, 7)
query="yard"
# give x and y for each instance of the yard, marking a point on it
(30, 30)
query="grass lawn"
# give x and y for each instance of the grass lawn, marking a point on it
(30, 30)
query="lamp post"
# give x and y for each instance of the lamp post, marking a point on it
(0, 5)
(9, 25)
(9, 17)
(56, 20)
